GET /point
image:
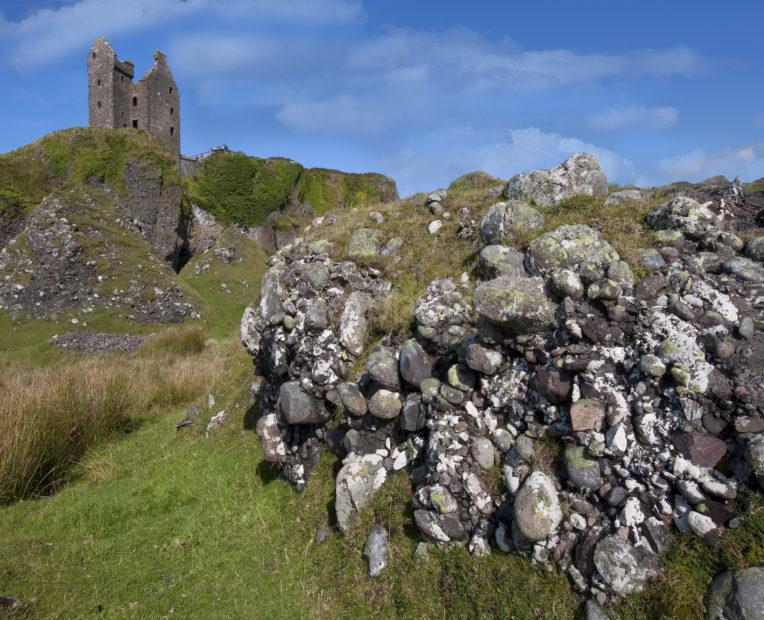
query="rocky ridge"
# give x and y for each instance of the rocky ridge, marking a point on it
(615, 409)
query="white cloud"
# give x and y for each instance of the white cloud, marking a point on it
(746, 161)
(466, 60)
(440, 157)
(634, 116)
(339, 115)
(47, 34)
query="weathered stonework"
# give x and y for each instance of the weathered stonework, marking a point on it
(114, 100)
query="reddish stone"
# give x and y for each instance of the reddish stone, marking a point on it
(703, 450)
(554, 384)
(586, 415)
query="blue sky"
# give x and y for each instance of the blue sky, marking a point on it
(422, 90)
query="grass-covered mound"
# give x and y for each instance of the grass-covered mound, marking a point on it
(236, 188)
(72, 157)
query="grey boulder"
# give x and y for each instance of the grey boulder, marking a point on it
(580, 174)
(505, 220)
(519, 305)
(415, 364)
(299, 407)
(375, 549)
(737, 595)
(357, 482)
(571, 246)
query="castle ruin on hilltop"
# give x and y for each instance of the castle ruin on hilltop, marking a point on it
(114, 100)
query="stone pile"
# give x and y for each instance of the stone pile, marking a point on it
(560, 407)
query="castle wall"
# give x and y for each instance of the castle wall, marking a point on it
(114, 100)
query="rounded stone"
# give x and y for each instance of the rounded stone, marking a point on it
(385, 404)
(537, 507)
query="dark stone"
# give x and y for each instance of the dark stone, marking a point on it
(413, 418)
(701, 449)
(554, 384)
(299, 407)
(415, 364)
(352, 399)
(658, 534)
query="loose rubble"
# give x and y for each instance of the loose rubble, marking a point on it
(637, 404)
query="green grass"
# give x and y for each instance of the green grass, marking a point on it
(756, 186)
(330, 190)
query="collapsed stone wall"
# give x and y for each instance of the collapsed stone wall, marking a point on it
(614, 409)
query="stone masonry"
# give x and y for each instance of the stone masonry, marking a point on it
(114, 100)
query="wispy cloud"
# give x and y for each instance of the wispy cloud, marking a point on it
(746, 161)
(49, 33)
(633, 116)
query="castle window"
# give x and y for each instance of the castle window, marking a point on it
(172, 131)
(99, 104)
(135, 101)
(172, 111)
(121, 78)
(171, 90)
(94, 54)
(124, 124)
(99, 82)
(135, 124)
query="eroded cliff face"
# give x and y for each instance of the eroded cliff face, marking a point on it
(155, 207)
(556, 402)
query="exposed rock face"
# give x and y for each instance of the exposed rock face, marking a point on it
(635, 403)
(580, 174)
(737, 595)
(504, 220)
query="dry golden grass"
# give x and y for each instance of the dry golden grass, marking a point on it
(50, 416)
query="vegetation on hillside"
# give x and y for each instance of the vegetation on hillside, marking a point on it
(237, 188)
(72, 157)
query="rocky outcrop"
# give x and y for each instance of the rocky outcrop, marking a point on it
(635, 403)
(578, 175)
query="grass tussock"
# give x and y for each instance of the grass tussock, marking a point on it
(174, 341)
(49, 417)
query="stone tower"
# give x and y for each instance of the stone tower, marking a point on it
(114, 100)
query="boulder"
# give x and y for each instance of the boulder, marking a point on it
(482, 360)
(755, 249)
(483, 452)
(519, 305)
(353, 323)
(581, 174)
(499, 260)
(375, 550)
(413, 418)
(624, 196)
(582, 472)
(554, 384)
(364, 243)
(537, 509)
(737, 595)
(566, 283)
(352, 399)
(299, 407)
(683, 213)
(274, 448)
(701, 449)
(415, 364)
(357, 482)
(505, 220)
(569, 247)
(385, 404)
(587, 415)
(383, 367)
(621, 566)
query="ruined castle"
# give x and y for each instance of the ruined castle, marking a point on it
(114, 100)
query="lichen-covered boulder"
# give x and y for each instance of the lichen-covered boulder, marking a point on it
(622, 567)
(537, 509)
(624, 196)
(504, 220)
(357, 482)
(683, 213)
(572, 246)
(519, 305)
(755, 249)
(364, 243)
(298, 407)
(580, 174)
(499, 260)
(737, 595)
